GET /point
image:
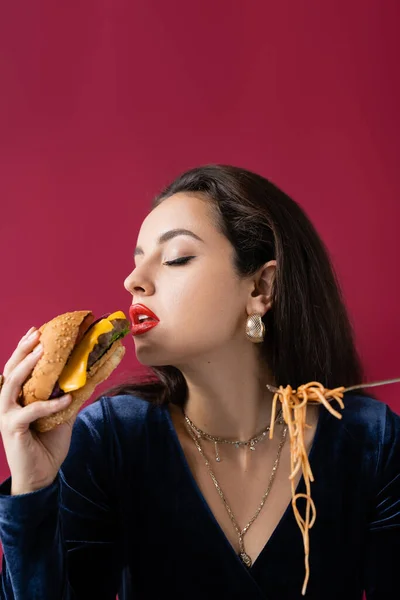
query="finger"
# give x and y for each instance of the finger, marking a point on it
(19, 421)
(25, 346)
(15, 379)
(27, 334)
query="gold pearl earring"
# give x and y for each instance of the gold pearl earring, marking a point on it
(255, 328)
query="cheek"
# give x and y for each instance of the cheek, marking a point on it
(189, 330)
(198, 311)
(203, 307)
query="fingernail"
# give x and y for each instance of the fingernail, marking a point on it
(31, 336)
(26, 336)
(65, 399)
(38, 349)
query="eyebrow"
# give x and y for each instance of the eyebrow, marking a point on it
(169, 235)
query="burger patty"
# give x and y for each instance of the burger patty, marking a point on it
(105, 340)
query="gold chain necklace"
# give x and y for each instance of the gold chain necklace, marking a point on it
(251, 442)
(240, 532)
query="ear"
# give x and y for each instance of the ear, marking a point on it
(260, 296)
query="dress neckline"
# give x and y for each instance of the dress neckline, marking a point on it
(208, 512)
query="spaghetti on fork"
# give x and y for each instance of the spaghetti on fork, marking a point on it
(294, 410)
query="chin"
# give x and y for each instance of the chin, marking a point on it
(152, 351)
(149, 356)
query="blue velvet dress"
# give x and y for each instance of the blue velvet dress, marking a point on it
(126, 516)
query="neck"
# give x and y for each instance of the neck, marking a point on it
(227, 396)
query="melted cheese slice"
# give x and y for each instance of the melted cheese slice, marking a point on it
(74, 374)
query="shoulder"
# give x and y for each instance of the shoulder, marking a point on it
(119, 427)
(130, 410)
(370, 425)
(124, 418)
(377, 425)
(367, 414)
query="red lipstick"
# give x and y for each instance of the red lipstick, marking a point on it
(140, 325)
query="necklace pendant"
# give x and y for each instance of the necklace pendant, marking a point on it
(245, 558)
(252, 446)
(217, 456)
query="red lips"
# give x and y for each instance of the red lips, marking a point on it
(139, 327)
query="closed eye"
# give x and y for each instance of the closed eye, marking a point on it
(179, 261)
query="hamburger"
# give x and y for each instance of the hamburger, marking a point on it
(79, 353)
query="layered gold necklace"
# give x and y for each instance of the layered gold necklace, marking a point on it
(197, 434)
(250, 443)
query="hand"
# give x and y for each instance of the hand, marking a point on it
(34, 458)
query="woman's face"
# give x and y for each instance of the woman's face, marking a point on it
(200, 303)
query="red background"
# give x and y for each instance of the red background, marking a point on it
(104, 102)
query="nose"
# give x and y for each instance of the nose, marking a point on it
(137, 283)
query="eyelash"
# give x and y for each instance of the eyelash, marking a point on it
(179, 261)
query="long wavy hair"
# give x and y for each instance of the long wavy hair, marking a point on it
(309, 334)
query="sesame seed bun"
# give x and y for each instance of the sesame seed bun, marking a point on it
(58, 338)
(100, 371)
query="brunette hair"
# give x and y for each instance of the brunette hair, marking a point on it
(309, 335)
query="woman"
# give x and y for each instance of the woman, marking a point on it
(175, 485)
